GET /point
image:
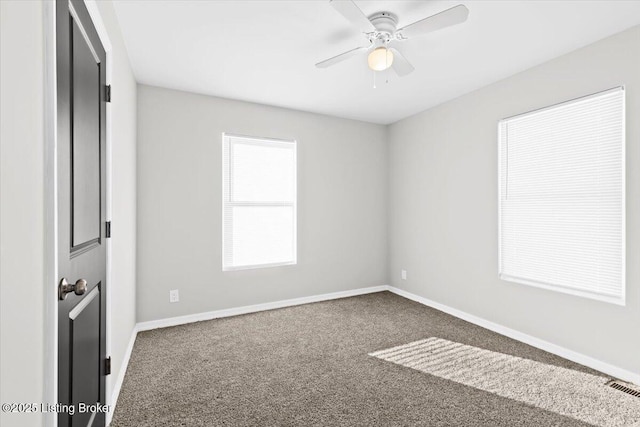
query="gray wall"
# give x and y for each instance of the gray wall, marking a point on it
(122, 304)
(443, 205)
(22, 208)
(342, 203)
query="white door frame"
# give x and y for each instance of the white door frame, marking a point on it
(50, 330)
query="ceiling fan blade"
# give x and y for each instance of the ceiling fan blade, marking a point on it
(339, 58)
(455, 15)
(400, 65)
(349, 10)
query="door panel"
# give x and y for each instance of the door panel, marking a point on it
(85, 333)
(81, 156)
(85, 158)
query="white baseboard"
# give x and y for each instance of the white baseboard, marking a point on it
(181, 320)
(123, 369)
(574, 356)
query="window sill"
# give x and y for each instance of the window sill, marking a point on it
(254, 267)
(565, 290)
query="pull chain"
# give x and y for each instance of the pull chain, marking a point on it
(386, 60)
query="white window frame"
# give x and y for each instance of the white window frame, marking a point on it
(227, 183)
(621, 300)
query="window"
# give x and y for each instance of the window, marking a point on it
(259, 202)
(562, 197)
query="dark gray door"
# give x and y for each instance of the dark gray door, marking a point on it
(82, 258)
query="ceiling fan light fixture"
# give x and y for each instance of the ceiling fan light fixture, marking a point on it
(380, 59)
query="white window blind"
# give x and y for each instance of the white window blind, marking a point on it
(259, 202)
(562, 197)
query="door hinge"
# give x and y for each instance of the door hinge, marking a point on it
(107, 366)
(107, 93)
(108, 229)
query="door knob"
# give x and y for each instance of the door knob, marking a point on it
(80, 287)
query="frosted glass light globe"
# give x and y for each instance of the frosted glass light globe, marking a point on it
(380, 59)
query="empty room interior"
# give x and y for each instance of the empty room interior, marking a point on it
(320, 213)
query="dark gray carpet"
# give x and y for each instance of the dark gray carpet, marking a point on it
(309, 366)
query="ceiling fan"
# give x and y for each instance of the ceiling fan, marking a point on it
(381, 32)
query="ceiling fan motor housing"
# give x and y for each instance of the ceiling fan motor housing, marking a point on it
(385, 24)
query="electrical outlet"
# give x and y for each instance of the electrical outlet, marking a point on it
(174, 296)
(403, 274)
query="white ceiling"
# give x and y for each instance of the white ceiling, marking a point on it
(265, 51)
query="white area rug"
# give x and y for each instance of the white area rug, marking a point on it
(575, 394)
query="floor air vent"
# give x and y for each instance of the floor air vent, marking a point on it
(625, 387)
